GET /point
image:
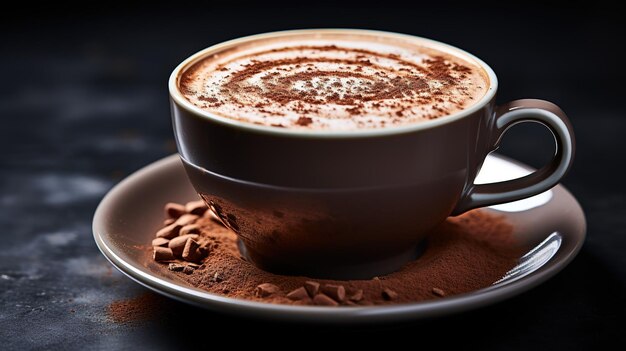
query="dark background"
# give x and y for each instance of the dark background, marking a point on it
(83, 103)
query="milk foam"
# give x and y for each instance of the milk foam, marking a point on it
(343, 82)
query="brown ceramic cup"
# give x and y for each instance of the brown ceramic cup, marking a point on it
(353, 204)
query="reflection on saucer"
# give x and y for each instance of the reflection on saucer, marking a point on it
(497, 170)
(551, 234)
(534, 259)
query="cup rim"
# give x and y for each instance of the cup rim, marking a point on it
(182, 102)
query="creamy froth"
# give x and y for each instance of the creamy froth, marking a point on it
(333, 82)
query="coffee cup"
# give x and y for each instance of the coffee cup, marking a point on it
(351, 203)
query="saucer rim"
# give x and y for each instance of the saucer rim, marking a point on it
(365, 314)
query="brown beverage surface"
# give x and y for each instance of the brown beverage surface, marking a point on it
(334, 81)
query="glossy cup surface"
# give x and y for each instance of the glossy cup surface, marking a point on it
(332, 204)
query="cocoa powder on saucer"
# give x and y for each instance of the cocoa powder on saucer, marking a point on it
(465, 253)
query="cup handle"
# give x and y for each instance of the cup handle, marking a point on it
(506, 116)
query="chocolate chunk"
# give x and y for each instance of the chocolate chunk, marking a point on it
(389, 294)
(336, 292)
(174, 210)
(178, 244)
(186, 219)
(298, 294)
(162, 254)
(190, 229)
(190, 252)
(357, 296)
(188, 270)
(323, 300)
(265, 290)
(196, 207)
(169, 232)
(312, 287)
(160, 242)
(176, 267)
(438, 292)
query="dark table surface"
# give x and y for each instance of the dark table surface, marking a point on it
(84, 103)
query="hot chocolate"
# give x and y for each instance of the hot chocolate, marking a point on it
(334, 81)
(382, 137)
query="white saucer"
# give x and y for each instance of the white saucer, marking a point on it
(550, 225)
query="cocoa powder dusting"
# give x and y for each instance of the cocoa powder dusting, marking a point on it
(280, 91)
(135, 310)
(463, 254)
(333, 85)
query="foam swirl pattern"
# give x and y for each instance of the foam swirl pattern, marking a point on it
(333, 83)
